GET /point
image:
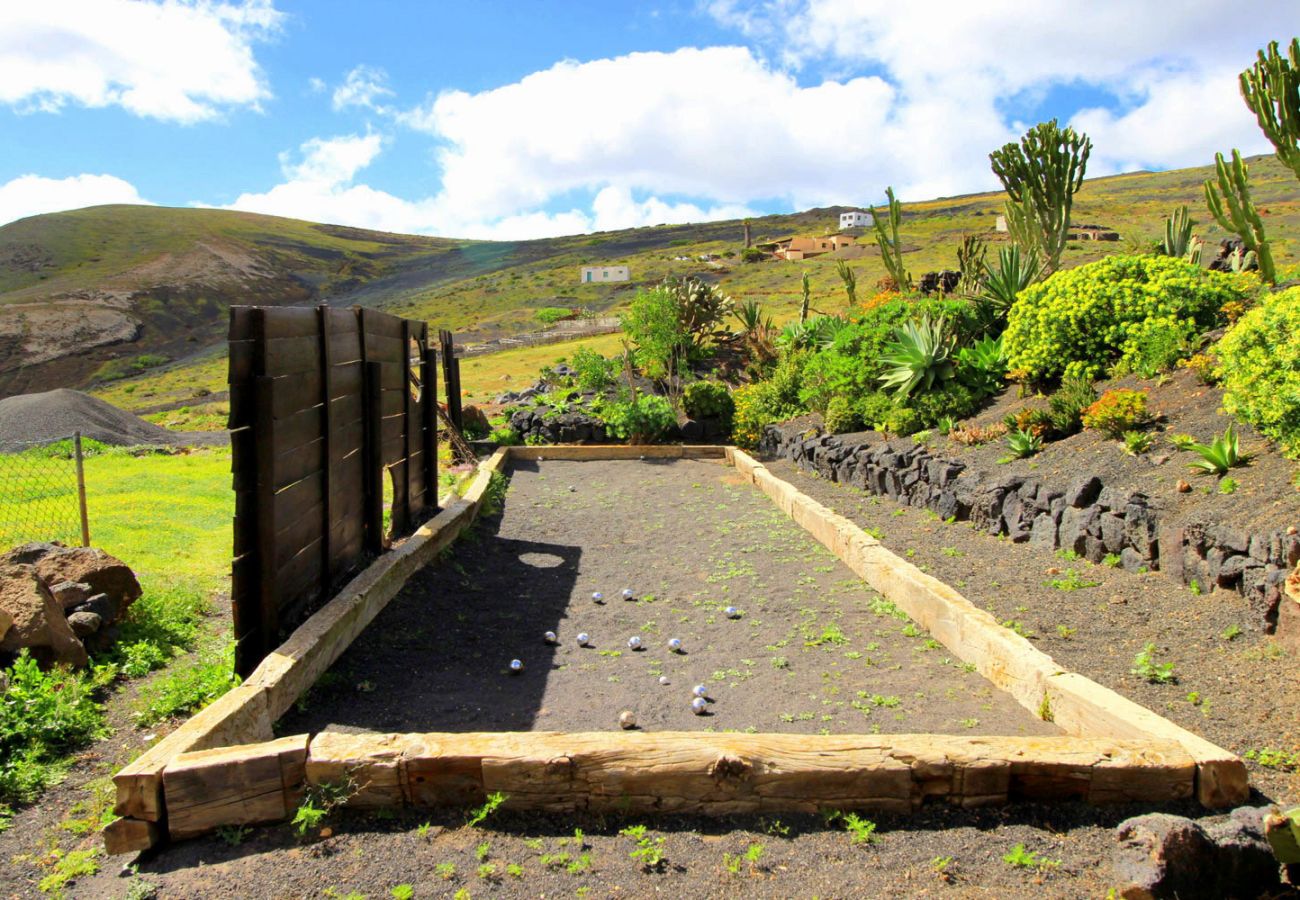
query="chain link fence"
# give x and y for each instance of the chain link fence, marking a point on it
(43, 493)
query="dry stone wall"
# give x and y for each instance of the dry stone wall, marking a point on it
(1085, 516)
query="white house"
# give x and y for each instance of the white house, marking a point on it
(602, 274)
(1000, 224)
(855, 219)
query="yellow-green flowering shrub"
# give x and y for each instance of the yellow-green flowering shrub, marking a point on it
(1259, 364)
(1083, 321)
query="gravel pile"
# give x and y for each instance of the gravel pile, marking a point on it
(31, 419)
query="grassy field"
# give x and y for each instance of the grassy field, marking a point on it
(168, 517)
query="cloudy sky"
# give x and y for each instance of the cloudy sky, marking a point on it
(509, 119)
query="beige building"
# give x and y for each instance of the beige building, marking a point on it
(806, 247)
(605, 274)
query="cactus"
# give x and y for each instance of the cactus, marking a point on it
(807, 297)
(1178, 234)
(891, 251)
(1041, 175)
(1193, 254)
(970, 262)
(1230, 204)
(1271, 88)
(1239, 262)
(850, 281)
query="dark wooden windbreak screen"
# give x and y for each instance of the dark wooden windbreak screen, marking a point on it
(323, 402)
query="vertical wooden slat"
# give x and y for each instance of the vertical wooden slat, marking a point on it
(268, 585)
(373, 478)
(327, 456)
(429, 417)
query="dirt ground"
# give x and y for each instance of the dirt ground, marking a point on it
(1245, 690)
(812, 651)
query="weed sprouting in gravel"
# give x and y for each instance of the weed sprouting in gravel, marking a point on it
(1021, 858)
(1072, 581)
(1146, 667)
(493, 803)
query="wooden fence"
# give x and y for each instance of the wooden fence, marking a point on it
(323, 403)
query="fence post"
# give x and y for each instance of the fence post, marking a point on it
(429, 418)
(327, 452)
(81, 489)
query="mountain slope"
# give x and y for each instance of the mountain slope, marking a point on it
(95, 294)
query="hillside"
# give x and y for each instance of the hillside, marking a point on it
(90, 296)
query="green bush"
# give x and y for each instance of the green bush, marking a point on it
(43, 715)
(764, 402)
(505, 436)
(549, 315)
(841, 417)
(1084, 320)
(708, 399)
(955, 400)
(1117, 411)
(1259, 364)
(645, 420)
(593, 372)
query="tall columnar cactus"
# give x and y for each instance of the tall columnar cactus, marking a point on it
(850, 281)
(806, 302)
(1271, 88)
(1178, 234)
(891, 249)
(1041, 175)
(1230, 204)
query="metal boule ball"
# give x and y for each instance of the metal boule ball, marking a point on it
(627, 719)
(700, 691)
(584, 639)
(550, 637)
(627, 594)
(663, 679)
(634, 642)
(516, 666)
(675, 645)
(699, 706)
(731, 612)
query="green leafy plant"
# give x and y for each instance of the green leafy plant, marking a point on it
(1269, 758)
(1083, 320)
(402, 892)
(919, 357)
(1072, 581)
(549, 315)
(971, 263)
(1228, 197)
(759, 404)
(1021, 858)
(709, 399)
(1259, 364)
(592, 371)
(861, 831)
(644, 420)
(319, 800)
(982, 366)
(1041, 175)
(649, 850)
(1137, 442)
(493, 802)
(1228, 485)
(841, 416)
(1182, 441)
(891, 248)
(1117, 411)
(1145, 666)
(1220, 455)
(1022, 444)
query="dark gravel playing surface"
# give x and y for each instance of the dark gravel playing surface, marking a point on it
(812, 650)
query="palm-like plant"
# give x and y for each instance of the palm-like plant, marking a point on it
(1217, 457)
(816, 333)
(919, 357)
(982, 366)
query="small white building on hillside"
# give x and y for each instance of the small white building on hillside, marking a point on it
(855, 219)
(604, 274)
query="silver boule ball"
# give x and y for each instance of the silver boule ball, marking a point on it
(627, 719)
(550, 637)
(634, 642)
(572, 489)
(627, 594)
(700, 691)
(731, 612)
(516, 665)
(675, 645)
(663, 679)
(699, 706)
(584, 639)
(597, 597)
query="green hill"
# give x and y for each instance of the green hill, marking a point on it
(94, 295)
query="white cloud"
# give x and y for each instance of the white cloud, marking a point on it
(30, 195)
(363, 86)
(176, 60)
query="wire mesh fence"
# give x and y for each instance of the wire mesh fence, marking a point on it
(42, 493)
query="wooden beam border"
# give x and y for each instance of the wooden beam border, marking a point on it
(1135, 754)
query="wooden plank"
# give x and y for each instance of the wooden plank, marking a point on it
(292, 356)
(130, 836)
(724, 774)
(1005, 658)
(381, 323)
(371, 481)
(429, 426)
(245, 784)
(290, 322)
(294, 464)
(237, 717)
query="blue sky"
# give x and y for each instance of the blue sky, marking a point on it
(514, 120)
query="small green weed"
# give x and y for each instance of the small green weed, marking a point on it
(1020, 858)
(402, 892)
(1269, 758)
(1072, 581)
(493, 803)
(1146, 667)
(649, 850)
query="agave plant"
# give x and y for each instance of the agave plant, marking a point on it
(817, 333)
(982, 366)
(919, 357)
(1013, 274)
(1022, 444)
(1217, 457)
(757, 332)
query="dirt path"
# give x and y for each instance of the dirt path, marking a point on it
(811, 650)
